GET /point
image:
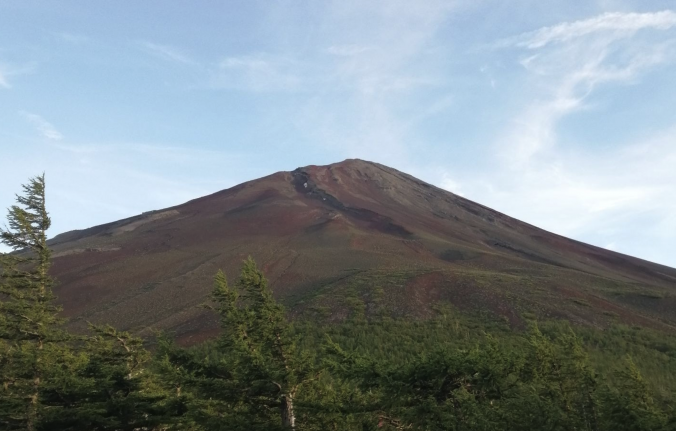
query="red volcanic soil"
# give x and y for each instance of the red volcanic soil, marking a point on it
(333, 237)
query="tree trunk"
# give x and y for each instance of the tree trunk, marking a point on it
(32, 413)
(288, 416)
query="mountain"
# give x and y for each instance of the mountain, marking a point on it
(352, 238)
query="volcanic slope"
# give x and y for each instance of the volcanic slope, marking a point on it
(350, 239)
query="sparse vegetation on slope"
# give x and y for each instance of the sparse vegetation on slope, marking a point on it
(327, 237)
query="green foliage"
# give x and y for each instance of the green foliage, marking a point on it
(541, 383)
(629, 405)
(29, 325)
(105, 386)
(251, 376)
(52, 380)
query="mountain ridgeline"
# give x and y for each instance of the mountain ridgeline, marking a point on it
(330, 238)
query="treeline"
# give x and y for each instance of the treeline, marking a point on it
(264, 372)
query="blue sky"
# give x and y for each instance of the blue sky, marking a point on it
(559, 113)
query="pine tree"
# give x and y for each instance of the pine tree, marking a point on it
(30, 333)
(558, 371)
(253, 376)
(629, 405)
(52, 379)
(108, 387)
(444, 389)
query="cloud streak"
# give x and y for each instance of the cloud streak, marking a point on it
(572, 189)
(563, 75)
(363, 106)
(623, 197)
(621, 24)
(348, 50)
(46, 129)
(258, 73)
(93, 183)
(3, 80)
(167, 53)
(75, 39)
(9, 69)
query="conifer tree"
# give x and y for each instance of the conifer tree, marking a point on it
(560, 375)
(629, 405)
(445, 389)
(29, 325)
(253, 378)
(107, 385)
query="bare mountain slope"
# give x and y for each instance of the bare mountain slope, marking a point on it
(352, 237)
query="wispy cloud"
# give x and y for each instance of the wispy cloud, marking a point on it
(72, 38)
(619, 23)
(259, 73)
(3, 79)
(352, 92)
(13, 69)
(374, 73)
(348, 50)
(562, 75)
(166, 52)
(572, 189)
(46, 129)
(82, 193)
(448, 183)
(591, 196)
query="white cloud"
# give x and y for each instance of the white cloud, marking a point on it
(447, 183)
(167, 53)
(45, 128)
(619, 23)
(75, 39)
(258, 73)
(90, 184)
(561, 77)
(348, 50)
(622, 195)
(8, 69)
(3, 79)
(369, 99)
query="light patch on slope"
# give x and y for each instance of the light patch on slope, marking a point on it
(145, 220)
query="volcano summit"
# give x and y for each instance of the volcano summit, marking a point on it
(352, 237)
